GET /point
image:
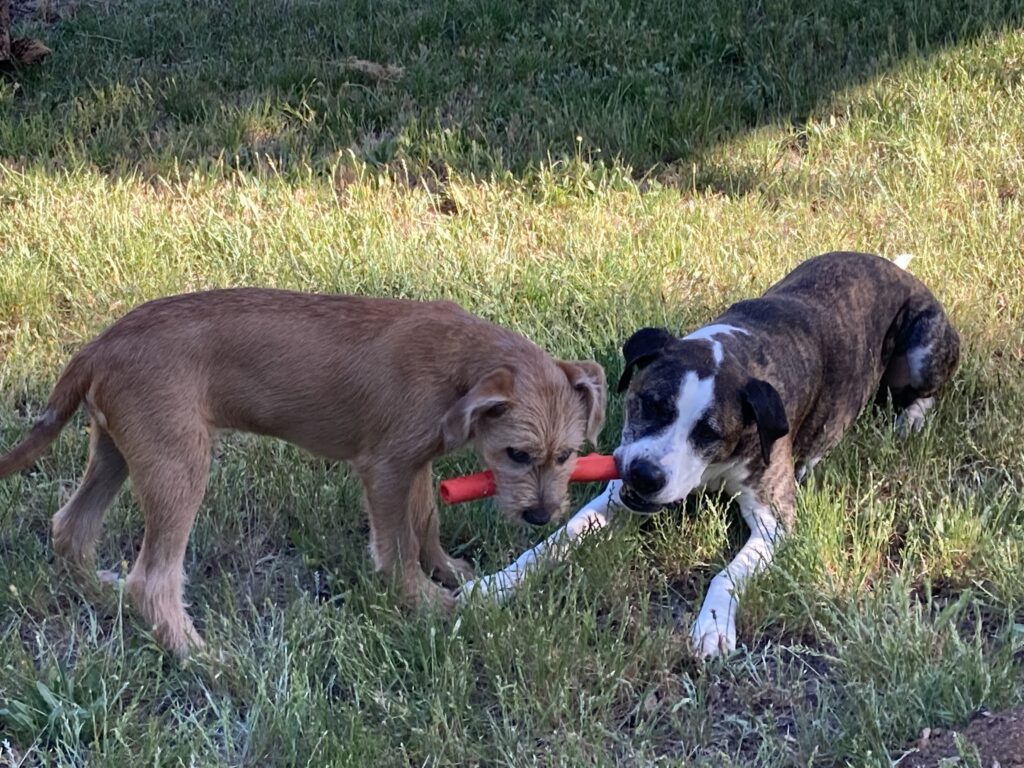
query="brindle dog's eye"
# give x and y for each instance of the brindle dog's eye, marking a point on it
(519, 457)
(653, 409)
(564, 456)
(704, 434)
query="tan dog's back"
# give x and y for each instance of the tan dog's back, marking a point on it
(267, 361)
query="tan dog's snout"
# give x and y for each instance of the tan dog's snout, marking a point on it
(528, 427)
(536, 496)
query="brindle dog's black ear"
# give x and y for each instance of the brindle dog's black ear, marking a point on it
(641, 349)
(761, 403)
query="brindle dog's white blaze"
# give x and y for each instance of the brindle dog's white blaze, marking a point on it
(671, 448)
(708, 333)
(593, 516)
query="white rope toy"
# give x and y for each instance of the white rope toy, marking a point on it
(593, 516)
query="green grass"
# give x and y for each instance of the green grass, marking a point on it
(574, 171)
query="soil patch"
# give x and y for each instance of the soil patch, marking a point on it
(998, 738)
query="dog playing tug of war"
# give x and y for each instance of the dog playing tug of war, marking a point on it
(387, 385)
(750, 402)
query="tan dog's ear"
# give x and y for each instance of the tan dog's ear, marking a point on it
(488, 399)
(587, 378)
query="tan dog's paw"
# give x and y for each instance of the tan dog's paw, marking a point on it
(454, 572)
(425, 595)
(179, 637)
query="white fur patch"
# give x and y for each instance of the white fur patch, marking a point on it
(916, 361)
(716, 329)
(727, 475)
(671, 449)
(902, 260)
(714, 631)
(708, 333)
(717, 352)
(804, 468)
(912, 419)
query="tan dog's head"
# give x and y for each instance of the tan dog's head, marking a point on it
(528, 424)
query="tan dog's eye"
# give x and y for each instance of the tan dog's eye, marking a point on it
(519, 457)
(564, 456)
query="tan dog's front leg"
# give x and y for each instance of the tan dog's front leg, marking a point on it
(450, 571)
(393, 499)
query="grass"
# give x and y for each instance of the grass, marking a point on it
(574, 171)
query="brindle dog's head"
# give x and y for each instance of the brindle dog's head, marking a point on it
(688, 406)
(528, 424)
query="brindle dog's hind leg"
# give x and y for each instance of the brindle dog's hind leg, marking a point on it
(927, 352)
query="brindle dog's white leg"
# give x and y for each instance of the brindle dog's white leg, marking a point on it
(714, 631)
(912, 419)
(593, 516)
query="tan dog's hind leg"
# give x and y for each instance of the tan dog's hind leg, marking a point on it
(76, 526)
(450, 571)
(394, 534)
(169, 481)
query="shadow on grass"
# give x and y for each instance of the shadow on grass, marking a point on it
(489, 86)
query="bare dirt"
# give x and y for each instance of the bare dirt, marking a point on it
(998, 739)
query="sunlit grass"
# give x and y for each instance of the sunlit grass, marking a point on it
(161, 151)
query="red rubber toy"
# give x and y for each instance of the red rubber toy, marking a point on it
(591, 468)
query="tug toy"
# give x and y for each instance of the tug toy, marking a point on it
(589, 469)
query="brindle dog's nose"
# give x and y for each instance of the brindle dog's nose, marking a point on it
(645, 477)
(536, 515)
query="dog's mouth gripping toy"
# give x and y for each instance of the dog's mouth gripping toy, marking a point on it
(593, 516)
(591, 468)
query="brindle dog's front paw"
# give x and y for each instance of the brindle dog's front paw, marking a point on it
(712, 636)
(912, 420)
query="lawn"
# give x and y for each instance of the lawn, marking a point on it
(574, 171)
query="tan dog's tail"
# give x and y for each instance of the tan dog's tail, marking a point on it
(62, 404)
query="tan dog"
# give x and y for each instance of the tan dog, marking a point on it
(387, 385)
